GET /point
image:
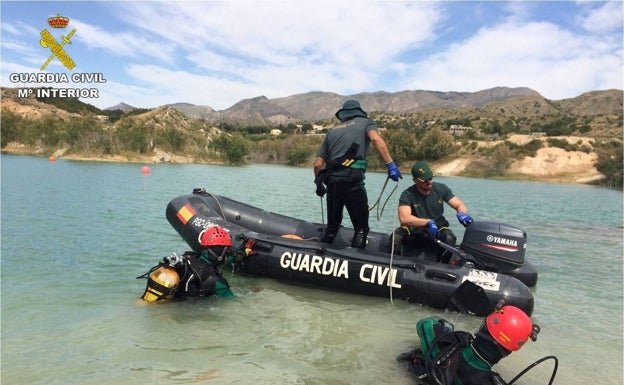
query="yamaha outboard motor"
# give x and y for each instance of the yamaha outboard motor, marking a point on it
(496, 246)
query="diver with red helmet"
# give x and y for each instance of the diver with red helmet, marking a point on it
(194, 274)
(449, 357)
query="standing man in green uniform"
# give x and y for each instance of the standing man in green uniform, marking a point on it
(340, 166)
(421, 210)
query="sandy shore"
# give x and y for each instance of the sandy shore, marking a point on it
(552, 164)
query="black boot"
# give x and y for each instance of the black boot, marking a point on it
(398, 239)
(329, 236)
(359, 239)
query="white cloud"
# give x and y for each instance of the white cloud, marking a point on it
(553, 61)
(347, 32)
(275, 49)
(217, 53)
(121, 44)
(606, 18)
(18, 29)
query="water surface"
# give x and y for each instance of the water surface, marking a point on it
(76, 234)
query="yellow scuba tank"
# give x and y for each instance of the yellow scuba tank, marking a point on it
(161, 284)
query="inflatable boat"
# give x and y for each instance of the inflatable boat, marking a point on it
(490, 268)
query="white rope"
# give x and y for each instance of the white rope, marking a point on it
(394, 218)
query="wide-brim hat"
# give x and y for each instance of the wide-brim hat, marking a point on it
(421, 170)
(350, 109)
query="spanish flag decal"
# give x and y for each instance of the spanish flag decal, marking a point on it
(185, 214)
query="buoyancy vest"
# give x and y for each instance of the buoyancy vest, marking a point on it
(201, 277)
(350, 160)
(452, 357)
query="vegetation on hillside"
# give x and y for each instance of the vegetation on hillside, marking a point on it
(610, 161)
(409, 137)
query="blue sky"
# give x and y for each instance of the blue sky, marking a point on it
(217, 53)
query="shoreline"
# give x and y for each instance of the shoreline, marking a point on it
(574, 169)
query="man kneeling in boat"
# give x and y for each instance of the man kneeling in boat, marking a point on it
(421, 213)
(193, 274)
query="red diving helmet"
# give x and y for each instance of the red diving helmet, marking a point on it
(510, 327)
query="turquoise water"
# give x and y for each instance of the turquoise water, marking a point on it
(76, 234)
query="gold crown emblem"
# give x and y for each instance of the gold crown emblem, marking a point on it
(58, 21)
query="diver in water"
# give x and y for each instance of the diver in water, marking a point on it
(194, 274)
(449, 357)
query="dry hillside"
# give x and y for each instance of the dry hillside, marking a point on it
(551, 164)
(600, 112)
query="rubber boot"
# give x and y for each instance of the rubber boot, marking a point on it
(400, 234)
(359, 239)
(329, 235)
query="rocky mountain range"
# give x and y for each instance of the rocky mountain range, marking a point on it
(321, 106)
(602, 108)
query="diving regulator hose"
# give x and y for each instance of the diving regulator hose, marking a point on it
(552, 377)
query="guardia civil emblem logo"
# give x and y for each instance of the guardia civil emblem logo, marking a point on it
(57, 22)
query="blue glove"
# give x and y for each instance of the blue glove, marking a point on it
(464, 219)
(393, 172)
(433, 229)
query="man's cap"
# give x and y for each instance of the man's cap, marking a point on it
(421, 171)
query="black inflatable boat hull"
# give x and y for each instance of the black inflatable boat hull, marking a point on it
(372, 271)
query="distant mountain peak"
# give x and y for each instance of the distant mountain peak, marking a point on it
(121, 106)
